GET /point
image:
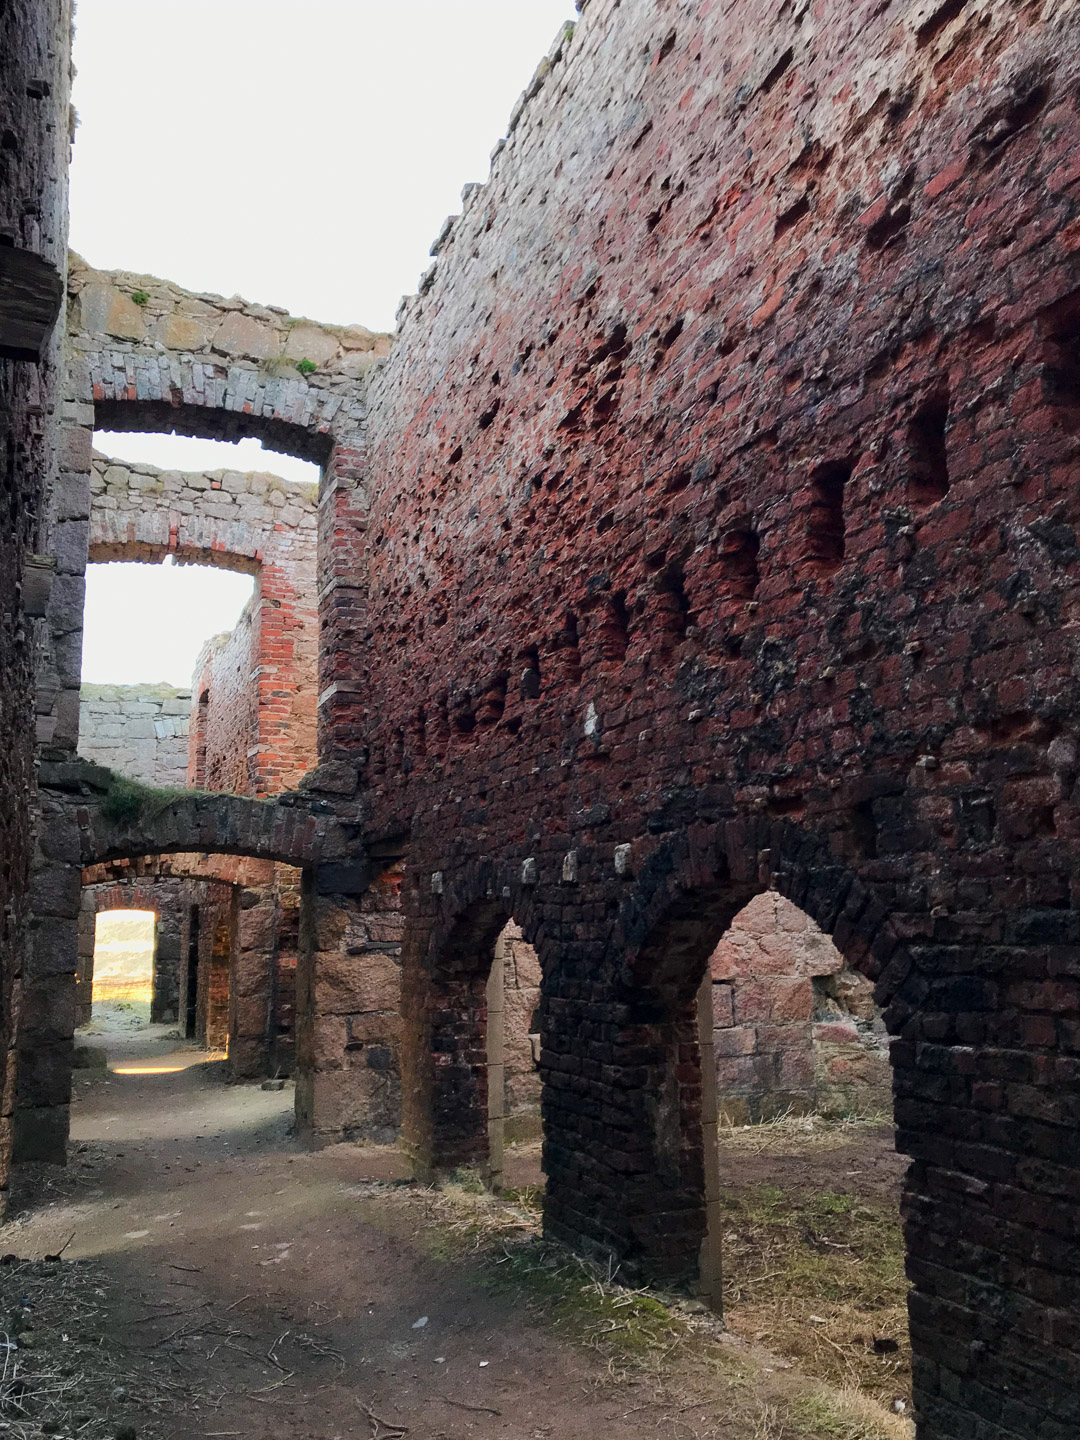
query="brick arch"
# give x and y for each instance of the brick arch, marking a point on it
(228, 868)
(124, 895)
(234, 410)
(142, 893)
(253, 523)
(144, 355)
(697, 880)
(224, 824)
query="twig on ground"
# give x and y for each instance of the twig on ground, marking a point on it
(476, 1409)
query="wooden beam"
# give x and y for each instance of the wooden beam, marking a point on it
(31, 293)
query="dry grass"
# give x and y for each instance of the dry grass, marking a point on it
(813, 1277)
(820, 1279)
(790, 1134)
(62, 1373)
(848, 1414)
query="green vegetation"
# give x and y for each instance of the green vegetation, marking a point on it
(820, 1278)
(125, 799)
(140, 297)
(306, 367)
(583, 1300)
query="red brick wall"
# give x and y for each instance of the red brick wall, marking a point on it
(223, 737)
(724, 520)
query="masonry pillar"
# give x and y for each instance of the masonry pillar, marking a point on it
(623, 1134)
(348, 1002)
(251, 982)
(46, 1038)
(84, 974)
(344, 666)
(165, 999)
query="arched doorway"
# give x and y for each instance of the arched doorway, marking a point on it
(476, 1053)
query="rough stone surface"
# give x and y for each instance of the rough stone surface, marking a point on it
(138, 730)
(794, 1028)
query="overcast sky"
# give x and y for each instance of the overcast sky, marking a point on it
(301, 153)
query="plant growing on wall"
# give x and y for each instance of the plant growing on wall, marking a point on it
(306, 367)
(140, 297)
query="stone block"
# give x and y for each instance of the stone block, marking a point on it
(347, 984)
(773, 1000)
(239, 334)
(722, 1005)
(41, 1134)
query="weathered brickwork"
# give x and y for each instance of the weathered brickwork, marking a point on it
(34, 88)
(256, 734)
(138, 730)
(723, 538)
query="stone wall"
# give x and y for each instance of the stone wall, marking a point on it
(144, 355)
(521, 1033)
(35, 48)
(723, 538)
(138, 730)
(794, 1028)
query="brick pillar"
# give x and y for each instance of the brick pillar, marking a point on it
(624, 1155)
(343, 604)
(348, 1013)
(986, 1104)
(47, 1023)
(84, 974)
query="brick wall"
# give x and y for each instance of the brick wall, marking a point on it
(223, 740)
(138, 730)
(723, 538)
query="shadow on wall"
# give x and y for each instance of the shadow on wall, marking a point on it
(794, 1028)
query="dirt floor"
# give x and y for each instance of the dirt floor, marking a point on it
(216, 1281)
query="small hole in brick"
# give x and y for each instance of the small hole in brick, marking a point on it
(826, 525)
(1061, 357)
(928, 459)
(567, 647)
(530, 673)
(615, 627)
(673, 608)
(493, 702)
(739, 562)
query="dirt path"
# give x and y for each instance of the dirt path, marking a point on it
(250, 1289)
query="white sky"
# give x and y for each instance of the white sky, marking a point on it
(297, 152)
